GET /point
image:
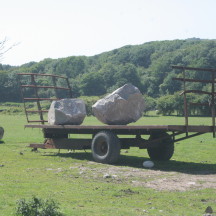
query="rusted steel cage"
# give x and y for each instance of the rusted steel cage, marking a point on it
(32, 81)
(212, 93)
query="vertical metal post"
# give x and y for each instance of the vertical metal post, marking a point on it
(22, 94)
(54, 84)
(37, 98)
(213, 103)
(185, 104)
(70, 91)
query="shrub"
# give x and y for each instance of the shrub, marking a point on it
(37, 207)
(13, 110)
(89, 101)
(150, 104)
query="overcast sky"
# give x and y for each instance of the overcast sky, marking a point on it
(61, 28)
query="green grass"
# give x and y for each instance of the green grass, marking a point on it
(77, 184)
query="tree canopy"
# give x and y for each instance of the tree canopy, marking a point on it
(147, 66)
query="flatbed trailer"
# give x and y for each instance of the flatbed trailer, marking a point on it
(106, 141)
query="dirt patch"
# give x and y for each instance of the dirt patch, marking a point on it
(183, 182)
(156, 179)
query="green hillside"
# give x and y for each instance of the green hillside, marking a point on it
(147, 66)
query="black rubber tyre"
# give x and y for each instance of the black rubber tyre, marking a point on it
(105, 147)
(164, 151)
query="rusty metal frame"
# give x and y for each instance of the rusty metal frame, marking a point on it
(57, 136)
(83, 144)
(119, 129)
(212, 93)
(33, 84)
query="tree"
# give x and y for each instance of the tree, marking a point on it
(165, 104)
(92, 84)
(4, 48)
(127, 73)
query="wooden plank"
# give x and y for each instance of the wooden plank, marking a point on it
(87, 129)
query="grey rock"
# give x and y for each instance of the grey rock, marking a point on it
(121, 107)
(1, 132)
(114, 176)
(67, 112)
(105, 176)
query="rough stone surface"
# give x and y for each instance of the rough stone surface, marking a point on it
(1, 132)
(67, 112)
(123, 106)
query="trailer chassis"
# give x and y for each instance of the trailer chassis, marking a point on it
(106, 141)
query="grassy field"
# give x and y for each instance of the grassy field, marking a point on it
(78, 184)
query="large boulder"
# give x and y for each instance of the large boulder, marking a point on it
(67, 112)
(123, 106)
(1, 132)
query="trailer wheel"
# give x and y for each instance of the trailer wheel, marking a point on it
(165, 149)
(105, 147)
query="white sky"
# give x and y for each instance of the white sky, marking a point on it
(61, 28)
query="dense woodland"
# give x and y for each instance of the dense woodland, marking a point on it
(147, 66)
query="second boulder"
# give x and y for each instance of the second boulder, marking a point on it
(121, 107)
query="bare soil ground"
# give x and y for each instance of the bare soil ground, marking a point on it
(156, 179)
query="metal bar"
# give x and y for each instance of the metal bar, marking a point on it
(79, 144)
(63, 143)
(187, 137)
(33, 111)
(213, 103)
(70, 90)
(104, 127)
(32, 99)
(198, 92)
(55, 86)
(131, 128)
(52, 87)
(192, 68)
(35, 74)
(22, 95)
(185, 104)
(212, 93)
(193, 80)
(37, 101)
(37, 121)
(36, 97)
(177, 133)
